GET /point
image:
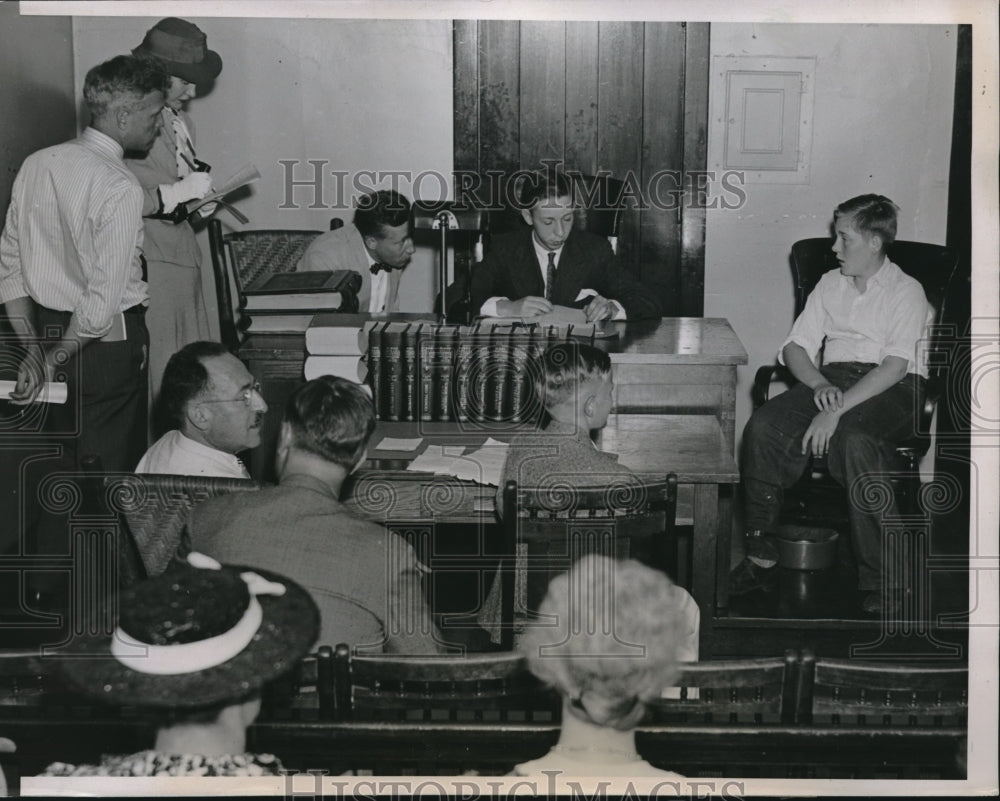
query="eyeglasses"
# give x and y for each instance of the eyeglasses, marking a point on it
(246, 396)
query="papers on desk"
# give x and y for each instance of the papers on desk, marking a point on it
(483, 465)
(398, 444)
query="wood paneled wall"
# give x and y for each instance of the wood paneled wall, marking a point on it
(630, 98)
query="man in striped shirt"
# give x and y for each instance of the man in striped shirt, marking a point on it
(70, 263)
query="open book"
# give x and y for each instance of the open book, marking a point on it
(562, 317)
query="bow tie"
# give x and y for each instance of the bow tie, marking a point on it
(380, 266)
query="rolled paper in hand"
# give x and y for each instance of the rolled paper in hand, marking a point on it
(51, 392)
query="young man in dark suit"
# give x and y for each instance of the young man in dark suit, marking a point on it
(551, 263)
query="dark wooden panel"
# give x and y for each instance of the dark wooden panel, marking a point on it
(466, 94)
(543, 93)
(581, 97)
(630, 98)
(499, 104)
(662, 162)
(695, 158)
(619, 125)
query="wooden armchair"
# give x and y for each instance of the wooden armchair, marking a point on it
(154, 509)
(246, 257)
(738, 691)
(463, 688)
(551, 527)
(934, 266)
(601, 202)
(849, 692)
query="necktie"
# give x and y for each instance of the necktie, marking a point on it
(380, 266)
(550, 275)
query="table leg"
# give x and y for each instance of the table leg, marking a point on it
(724, 549)
(704, 559)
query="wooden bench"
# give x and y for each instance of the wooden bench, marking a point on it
(770, 729)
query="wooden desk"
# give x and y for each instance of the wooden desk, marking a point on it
(677, 365)
(692, 446)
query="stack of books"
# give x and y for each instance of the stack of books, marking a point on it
(287, 301)
(337, 344)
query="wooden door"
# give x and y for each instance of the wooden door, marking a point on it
(630, 98)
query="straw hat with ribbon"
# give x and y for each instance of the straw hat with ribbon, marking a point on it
(196, 636)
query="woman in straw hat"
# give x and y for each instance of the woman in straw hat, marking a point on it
(172, 175)
(612, 649)
(193, 647)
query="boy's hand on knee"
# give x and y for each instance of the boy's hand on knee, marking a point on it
(828, 398)
(820, 432)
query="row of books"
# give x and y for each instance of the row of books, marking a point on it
(436, 372)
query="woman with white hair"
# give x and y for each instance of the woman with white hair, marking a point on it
(608, 644)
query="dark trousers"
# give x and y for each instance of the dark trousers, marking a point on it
(860, 457)
(106, 413)
(104, 416)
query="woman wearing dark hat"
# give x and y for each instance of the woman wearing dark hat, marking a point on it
(171, 174)
(193, 647)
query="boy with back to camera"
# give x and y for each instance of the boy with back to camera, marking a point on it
(573, 383)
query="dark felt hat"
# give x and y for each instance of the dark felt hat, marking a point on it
(182, 50)
(185, 607)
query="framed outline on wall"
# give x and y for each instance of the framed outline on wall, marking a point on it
(764, 105)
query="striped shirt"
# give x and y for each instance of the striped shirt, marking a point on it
(74, 232)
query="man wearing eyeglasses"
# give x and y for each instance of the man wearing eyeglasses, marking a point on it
(213, 410)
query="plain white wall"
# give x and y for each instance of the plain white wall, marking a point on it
(363, 95)
(881, 123)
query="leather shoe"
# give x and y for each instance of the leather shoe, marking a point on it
(748, 576)
(875, 604)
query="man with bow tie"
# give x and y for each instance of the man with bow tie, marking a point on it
(377, 246)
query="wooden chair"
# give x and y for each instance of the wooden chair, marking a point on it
(847, 692)
(934, 266)
(558, 523)
(306, 693)
(732, 692)
(248, 256)
(154, 509)
(601, 202)
(478, 687)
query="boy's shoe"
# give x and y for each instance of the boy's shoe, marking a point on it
(760, 545)
(875, 604)
(748, 576)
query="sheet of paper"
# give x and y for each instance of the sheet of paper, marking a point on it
(432, 460)
(51, 392)
(484, 465)
(398, 444)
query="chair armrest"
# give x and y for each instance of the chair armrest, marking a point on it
(932, 396)
(761, 389)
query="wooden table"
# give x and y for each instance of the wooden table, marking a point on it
(677, 365)
(692, 446)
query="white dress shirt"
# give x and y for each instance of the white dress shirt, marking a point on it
(177, 455)
(380, 287)
(74, 232)
(888, 319)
